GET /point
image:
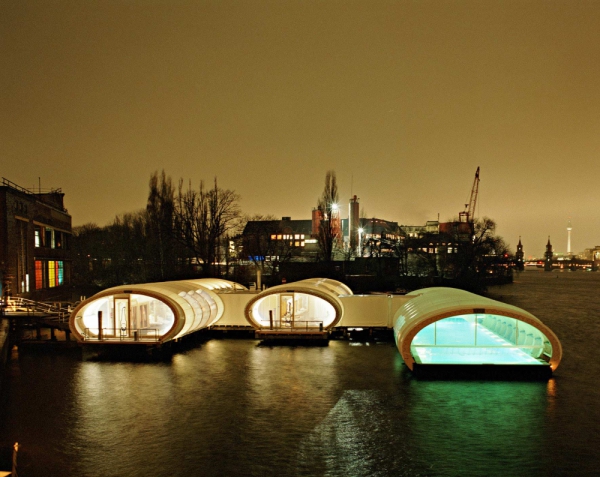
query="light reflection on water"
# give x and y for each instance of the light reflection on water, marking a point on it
(231, 407)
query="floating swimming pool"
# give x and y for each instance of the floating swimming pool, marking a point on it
(448, 326)
(466, 340)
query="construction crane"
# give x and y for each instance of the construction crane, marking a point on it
(469, 213)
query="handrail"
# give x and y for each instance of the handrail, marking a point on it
(121, 334)
(15, 304)
(40, 192)
(501, 346)
(12, 185)
(292, 325)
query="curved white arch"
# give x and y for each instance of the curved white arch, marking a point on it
(312, 303)
(152, 311)
(461, 318)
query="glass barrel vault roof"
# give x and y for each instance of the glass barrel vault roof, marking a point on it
(450, 326)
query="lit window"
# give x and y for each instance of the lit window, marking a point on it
(38, 275)
(38, 236)
(297, 244)
(302, 236)
(51, 274)
(297, 236)
(273, 237)
(279, 237)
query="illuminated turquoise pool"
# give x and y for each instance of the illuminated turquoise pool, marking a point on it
(479, 339)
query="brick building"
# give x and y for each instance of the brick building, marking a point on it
(35, 233)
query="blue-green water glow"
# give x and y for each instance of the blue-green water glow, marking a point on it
(234, 408)
(468, 340)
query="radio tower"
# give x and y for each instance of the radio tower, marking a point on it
(569, 228)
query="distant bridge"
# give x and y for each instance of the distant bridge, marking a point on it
(575, 264)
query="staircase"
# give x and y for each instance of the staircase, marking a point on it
(58, 311)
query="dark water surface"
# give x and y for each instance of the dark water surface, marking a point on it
(232, 407)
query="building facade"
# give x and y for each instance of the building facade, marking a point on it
(277, 240)
(35, 235)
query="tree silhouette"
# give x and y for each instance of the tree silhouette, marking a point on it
(329, 229)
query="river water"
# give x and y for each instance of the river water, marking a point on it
(233, 407)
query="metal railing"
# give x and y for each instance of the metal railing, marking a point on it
(12, 185)
(120, 334)
(18, 305)
(36, 192)
(294, 325)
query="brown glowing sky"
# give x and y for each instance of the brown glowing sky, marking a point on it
(402, 99)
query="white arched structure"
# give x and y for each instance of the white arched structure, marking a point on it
(432, 326)
(450, 326)
(304, 305)
(156, 312)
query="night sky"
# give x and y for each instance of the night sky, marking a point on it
(403, 99)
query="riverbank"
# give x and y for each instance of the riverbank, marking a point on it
(4, 345)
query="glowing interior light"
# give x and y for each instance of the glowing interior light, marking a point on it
(293, 310)
(478, 339)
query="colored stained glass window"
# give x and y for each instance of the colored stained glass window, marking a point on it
(51, 274)
(38, 275)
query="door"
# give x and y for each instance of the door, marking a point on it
(286, 310)
(122, 317)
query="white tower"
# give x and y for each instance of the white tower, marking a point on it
(569, 228)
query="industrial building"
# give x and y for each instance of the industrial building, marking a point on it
(277, 240)
(35, 231)
(297, 240)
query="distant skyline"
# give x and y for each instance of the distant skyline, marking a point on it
(403, 99)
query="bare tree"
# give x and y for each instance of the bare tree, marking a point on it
(329, 221)
(160, 211)
(203, 219)
(483, 252)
